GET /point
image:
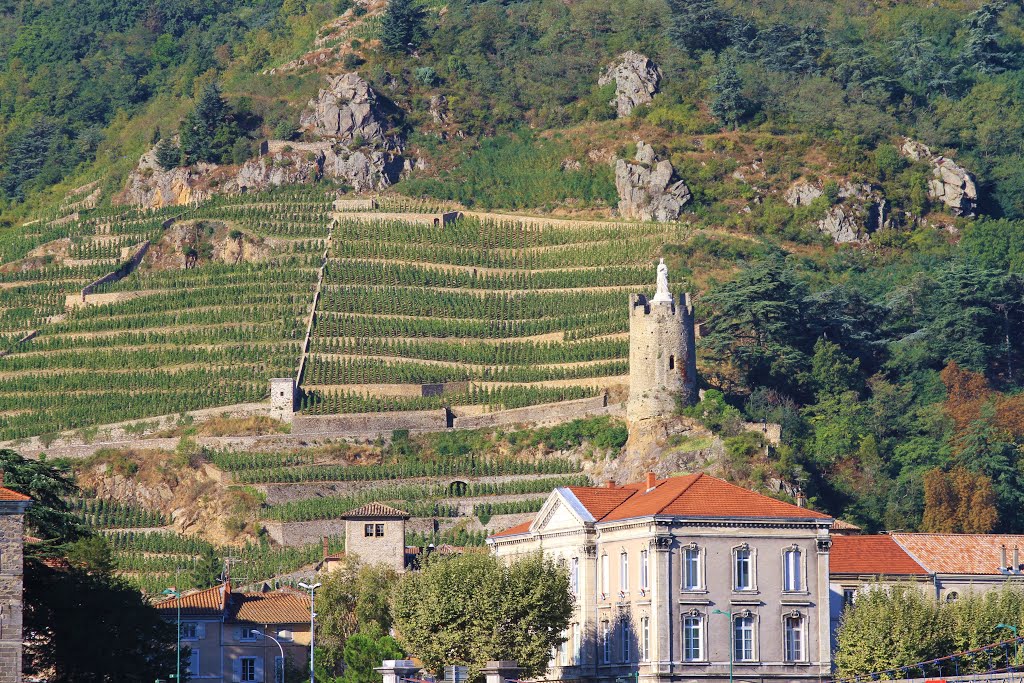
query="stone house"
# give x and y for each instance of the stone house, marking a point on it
(12, 552)
(686, 578)
(218, 626)
(376, 534)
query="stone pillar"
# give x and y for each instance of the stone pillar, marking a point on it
(500, 672)
(661, 605)
(395, 670)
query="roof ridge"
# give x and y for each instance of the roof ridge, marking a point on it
(683, 490)
(910, 554)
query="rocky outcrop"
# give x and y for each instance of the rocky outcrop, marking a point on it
(951, 183)
(858, 212)
(152, 187)
(348, 110)
(439, 108)
(636, 81)
(286, 166)
(646, 190)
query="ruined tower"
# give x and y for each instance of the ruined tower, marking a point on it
(662, 355)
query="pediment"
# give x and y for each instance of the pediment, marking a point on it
(561, 511)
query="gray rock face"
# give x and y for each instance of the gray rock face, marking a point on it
(951, 183)
(152, 187)
(860, 210)
(346, 109)
(636, 81)
(279, 168)
(646, 190)
(802, 193)
(439, 108)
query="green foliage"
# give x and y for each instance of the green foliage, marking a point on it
(402, 29)
(469, 609)
(168, 154)
(365, 651)
(209, 132)
(49, 517)
(728, 104)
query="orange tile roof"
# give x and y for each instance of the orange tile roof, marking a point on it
(207, 602)
(376, 510)
(843, 525)
(695, 495)
(600, 501)
(278, 607)
(517, 529)
(876, 555)
(960, 553)
(8, 494)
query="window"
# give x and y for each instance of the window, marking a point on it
(743, 639)
(791, 570)
(743, 575)
(278, 669)
(248, 669)
(643, 569)
(189, 630)
(794, 635)
(625, 641)
(193, 662)
(577, 644)
(849, 595)
(247, 633)
(604, 575)
(368, 530)
(624, 572)
(563, 650)
(606, 642)
(645, 638)
(671, 362)
(693, 638)
(574, 575)
(691, 569)
(379, 530)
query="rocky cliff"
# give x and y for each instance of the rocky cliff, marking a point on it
(646, 191)
(636, 81)
(858, 211)
(951, 183)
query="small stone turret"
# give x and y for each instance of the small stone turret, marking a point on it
(662, 353)
(282, 398)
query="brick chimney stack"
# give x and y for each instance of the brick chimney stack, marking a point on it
(609, 483)
(651, 479)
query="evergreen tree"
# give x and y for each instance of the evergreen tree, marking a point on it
(168, 154)
(207, 571)
(697, 25)
(209, 131)
(401, 28)
(728, 104)
(982, 53)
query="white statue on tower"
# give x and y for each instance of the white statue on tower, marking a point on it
(662, 295)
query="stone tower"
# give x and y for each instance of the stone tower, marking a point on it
(282, 398)
(662, 354)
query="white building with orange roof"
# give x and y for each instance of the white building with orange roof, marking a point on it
(687, 578)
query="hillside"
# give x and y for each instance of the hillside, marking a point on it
(187, 213)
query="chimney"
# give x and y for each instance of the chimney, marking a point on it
(1002, 557)
(1016, 558)
(650, 480)
(326, 550)
(609, 483)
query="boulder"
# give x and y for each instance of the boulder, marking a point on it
(636, 81)
(859, 211)
(841, 225)
(347, 109)
(152, 187)
(802, 193)
(284, 167)
(646, 190)
(951, 183)
(364, 169)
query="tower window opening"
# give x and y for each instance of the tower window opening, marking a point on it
(672, 362)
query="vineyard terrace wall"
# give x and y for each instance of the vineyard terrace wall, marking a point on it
(540, 415)
(123, 271)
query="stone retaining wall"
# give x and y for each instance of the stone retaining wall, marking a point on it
(548, 413)
(122, 271)
(371, 425)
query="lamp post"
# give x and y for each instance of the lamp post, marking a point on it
(261, 634)
(1016, 643)
(732, 636)
(312, 616)
(177, 653)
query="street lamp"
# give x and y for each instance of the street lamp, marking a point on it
(177, 596)
(261, 634)
(312, 616)
(732, 636)
(1016, 643)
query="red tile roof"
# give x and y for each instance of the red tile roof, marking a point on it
(513, 531)
(279, 607)
(600, 501)
(875, 555)
(693, 495)
(961, 553)
(8, 494)
(208, 602)
(375, 510)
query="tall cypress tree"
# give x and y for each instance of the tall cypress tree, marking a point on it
(982, 52)
(699, 25)
(402, 26)
(728, 105)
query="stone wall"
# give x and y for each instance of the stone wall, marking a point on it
(371, 425)
(282, 398)
(662, 359)
(355, 204)
(772, 431)
(548, 413)
(122, 271)
(12, 526)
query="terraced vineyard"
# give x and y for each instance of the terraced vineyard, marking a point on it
(523, 312)
(165, 339)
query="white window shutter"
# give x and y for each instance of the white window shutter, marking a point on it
(200, 630)
(259, 670)
(236, 670)
(238, 633)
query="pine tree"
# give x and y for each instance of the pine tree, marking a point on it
(168, 154)
(402, 26)
(209, 130)
(728, 104)
(982, 53)
(699, 25)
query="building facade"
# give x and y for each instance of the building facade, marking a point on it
(662, 354)
(225, 633)
(12, 547)
(687, 578)
(375, 533)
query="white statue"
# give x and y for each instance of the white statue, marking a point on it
(662, 295)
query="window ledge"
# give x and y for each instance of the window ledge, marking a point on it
(695, 591)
